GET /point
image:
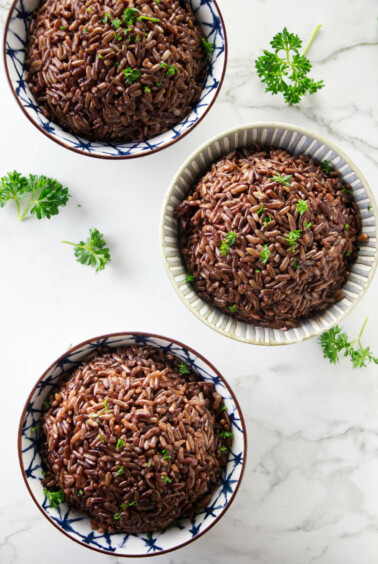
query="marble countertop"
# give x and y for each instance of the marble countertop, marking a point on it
(310, 491)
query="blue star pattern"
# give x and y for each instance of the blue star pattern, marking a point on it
(16, 36)
(76, 525)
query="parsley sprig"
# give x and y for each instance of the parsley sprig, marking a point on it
(292, 238)
(170, 69)
(43, 196)
(208, 47)
(183, 368)
(285, 69)
(93, 251)
(336, 341)
(131, 75)
(265, 254)
(285, 180)
(302, 206)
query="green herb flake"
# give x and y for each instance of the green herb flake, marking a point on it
(131, 75)
(183, 368)
(368, 208)
(325, 166)
(223, 408)
(296, 265)
(158, 84)
(117, 516)
(166, 455)
(62, 28)
(34, 429)
(130, 16)
(285, 180)
(307, 224)
(265, 254)
(54, 498)
(347, 226)
(116, 64)
(147, 89)
(149, 536)
(79, 493)
(224, 449)
(101, 438)
(166, 480)
(189, 278)
(257, 270)
(292, 238)
(233, 308)
(346, 190)
(226, 435)
(116, 23)
(260, 210)
(208, 47)
(227, 243)
(46, 405)
(120, 471)
(148, 19)
(120, 444)
(170, 69)
(302, 206)
(267, 220)
(99, 56)
(148, 464)
(85, 30)
(105, 404)
(285, 69)
(106, 17)
(347, 254)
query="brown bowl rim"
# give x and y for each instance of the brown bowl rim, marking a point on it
(155, 336)
(114, 157)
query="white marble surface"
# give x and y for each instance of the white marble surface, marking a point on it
(310, 492)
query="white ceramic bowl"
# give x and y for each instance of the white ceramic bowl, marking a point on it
(15, 39)
(296, 140)
(75, 525)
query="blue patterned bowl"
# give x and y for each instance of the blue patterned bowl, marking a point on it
(15, 37)
(75, 524)
(295, 140)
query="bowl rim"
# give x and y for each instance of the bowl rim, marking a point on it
(114, 157)
(228, 133)
(149, 335)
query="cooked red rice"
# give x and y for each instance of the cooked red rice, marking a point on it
(133, 441)
(78, 50)
(238, 195)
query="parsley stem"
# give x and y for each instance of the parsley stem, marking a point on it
(358, 340)
(314, 34)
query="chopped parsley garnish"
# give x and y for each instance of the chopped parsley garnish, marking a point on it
(127, 505)
(233, 308)
(226, 435)
(85, 30)
(33, 429)
(106, 17)
(346, 190)
(54, 498)
(368, 208)
(118, 516)
(148, 19)
(137, 39)
(47, 405)
(335, 341)
(189, 278)
(224, 449)
(147, 89)
(223, 408)
(62, 28)
(158, 83)
(116, 64)
(131, 75)
(120, 443)
(265, 254)
(149, 536)
(130, 16)
(183, 368)
(148, 464)
(43, 196)
(302, 206)
(347, 253)
(285, 70)
(325, 166)
(99, 56)
(116, 23)
(292, 238)
(267, 220)
(285, 180)
(120, 470)
(118, 37)
(307, 224)
(296, 265)
(166, 455)
(101, 438)
(209, 47)
(170, 69)
(347, 226)
(227, 243)
(166, 479)
(105, 404)
(260, 210)
(257, 270)
(79, 492)
(92, 252)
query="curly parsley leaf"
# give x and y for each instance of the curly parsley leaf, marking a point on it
(302, 206)
(335, 341)
(46, 195)
(285, 69)
(183, 368)
(93, 251)
(265, 254)
(54, 498)
(285, 180)
(229, 240)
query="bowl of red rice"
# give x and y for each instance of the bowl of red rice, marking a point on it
(115, 80)
(268, 234)
(132, 444)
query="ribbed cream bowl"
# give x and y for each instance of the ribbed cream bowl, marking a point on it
(296, 140)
